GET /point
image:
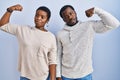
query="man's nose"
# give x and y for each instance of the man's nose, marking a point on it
(70, 17)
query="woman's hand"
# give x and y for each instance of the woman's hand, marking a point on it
(17, 7)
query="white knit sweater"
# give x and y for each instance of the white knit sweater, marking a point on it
(75, 45)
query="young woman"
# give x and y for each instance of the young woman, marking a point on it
(37, 46)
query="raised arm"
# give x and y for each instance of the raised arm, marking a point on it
(107, 20)
(6, 17)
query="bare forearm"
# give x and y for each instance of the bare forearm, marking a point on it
(5, 18)
(52, 72)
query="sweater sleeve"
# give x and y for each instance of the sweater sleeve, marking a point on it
(53, 52)
(59, 57)
(106, 23)
(10, 28)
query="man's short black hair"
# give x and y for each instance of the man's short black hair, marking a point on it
(47, 10)
(64, 7)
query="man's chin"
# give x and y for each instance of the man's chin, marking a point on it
(74, 23)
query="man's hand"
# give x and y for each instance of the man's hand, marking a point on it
(89, 12)
(17, 7)
(59, 78)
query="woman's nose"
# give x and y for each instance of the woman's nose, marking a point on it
(39, 18)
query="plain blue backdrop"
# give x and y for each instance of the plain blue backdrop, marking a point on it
(106, 49)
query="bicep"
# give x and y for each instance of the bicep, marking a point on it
(100, 27)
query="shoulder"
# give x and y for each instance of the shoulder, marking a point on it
(50, 35)
(26, 28)
(59, 32)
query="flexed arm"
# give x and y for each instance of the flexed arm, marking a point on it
(6, 17)
(107, 21)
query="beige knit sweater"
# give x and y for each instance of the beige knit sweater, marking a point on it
(37, 50)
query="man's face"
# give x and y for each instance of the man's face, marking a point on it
(40, 18)
(69, 16)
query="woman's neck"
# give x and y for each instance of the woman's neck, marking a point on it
(42, 29)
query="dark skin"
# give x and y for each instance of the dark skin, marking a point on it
(70, 18)
(6, 17)
(40, 19)
(89, 12)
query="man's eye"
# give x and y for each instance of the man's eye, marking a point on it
(42, 17)
(71, 13)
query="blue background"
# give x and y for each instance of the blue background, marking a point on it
(106, 49)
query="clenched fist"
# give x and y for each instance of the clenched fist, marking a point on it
(89, 12)
(17, 7)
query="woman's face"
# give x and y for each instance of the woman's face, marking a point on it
(40, 19)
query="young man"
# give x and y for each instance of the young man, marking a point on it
(75, 42)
